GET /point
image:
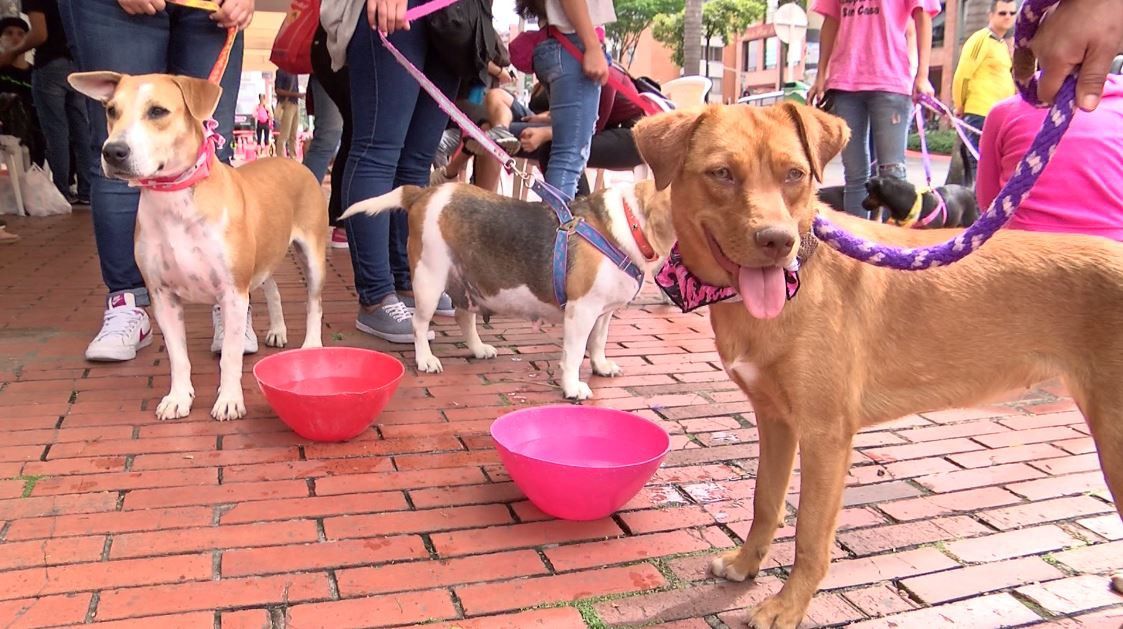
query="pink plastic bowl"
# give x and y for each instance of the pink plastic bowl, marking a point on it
(579, 462)
(328, 393)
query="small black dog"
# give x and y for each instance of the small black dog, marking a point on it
(959, 208)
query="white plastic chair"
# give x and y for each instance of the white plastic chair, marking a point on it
(688, 91)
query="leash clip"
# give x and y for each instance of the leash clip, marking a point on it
(570, 226)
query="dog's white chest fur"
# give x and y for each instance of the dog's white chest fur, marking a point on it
(177, 249)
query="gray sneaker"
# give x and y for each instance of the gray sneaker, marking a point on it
(444, 305)
(501, 136)
(450, 139)
(391, 320)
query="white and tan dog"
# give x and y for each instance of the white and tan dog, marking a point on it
(206, 232)
(494, 255)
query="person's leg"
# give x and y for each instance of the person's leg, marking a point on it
(326, 134)
(970, 164)
(614, 149)
(79, 122)
(93, 27)
(194, 46)
(49, 89)
(889, 125)
(287, 130)
(338, 88)
(498, 103)
(414, 165)
(852, 107)
(574, 99)
(383, 100)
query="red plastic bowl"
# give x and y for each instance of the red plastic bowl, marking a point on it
(328, 393)
(579, 462)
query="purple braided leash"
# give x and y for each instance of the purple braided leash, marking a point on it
(1013, 193)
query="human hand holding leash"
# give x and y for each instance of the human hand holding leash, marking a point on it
(234, 13)
(922, 87)
(141, 7)
(1084, 33)
(387, 16)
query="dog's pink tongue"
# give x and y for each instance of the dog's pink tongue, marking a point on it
(763, 291)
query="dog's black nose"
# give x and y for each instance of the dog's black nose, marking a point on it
(776, 240)
(115, 153)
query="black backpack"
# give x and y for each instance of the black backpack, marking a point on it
(464, 38)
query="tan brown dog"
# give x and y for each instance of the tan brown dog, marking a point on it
(495, 255)
(206, 232)
(1024, 308)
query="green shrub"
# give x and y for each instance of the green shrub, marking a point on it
(939, 142)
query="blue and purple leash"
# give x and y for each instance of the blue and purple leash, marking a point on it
(1015, 191)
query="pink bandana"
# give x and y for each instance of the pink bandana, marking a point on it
(689, 292)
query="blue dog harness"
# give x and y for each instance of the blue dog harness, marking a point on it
(568, 224)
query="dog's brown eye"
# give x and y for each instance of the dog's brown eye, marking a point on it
(157, 112)
(794, 175)
(722, 173)
(111, 111)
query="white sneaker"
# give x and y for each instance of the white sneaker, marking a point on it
(124, 330)
(251, 337)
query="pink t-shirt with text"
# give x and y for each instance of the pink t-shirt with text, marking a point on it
(1080, 191)
(871, 52)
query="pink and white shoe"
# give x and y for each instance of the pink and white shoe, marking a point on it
(339, 238)
(124, 330)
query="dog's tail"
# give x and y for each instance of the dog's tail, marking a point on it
(401, 198)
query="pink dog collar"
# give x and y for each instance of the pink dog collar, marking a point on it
(212, 141)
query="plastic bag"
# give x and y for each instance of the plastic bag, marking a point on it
(40, 196)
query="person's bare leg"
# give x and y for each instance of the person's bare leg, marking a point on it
(487, 172)
(498, 104)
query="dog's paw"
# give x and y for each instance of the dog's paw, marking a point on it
(429, 364)
(607, 368)
(228, 406)
(175, 405)
(579, 392)
(776, 613)
(484, 351)
(725, 566)
(277, 337)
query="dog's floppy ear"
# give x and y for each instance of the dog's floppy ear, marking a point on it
(97, 85)
(823, 135)
(200, 95)
(663, 140)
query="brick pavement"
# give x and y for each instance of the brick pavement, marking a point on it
(983, 517)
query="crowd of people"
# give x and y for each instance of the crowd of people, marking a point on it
(376, 129)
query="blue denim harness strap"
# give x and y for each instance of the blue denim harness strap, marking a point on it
(568, 224)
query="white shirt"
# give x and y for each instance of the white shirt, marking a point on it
(601, 12)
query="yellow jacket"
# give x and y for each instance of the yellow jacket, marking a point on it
(982, 77)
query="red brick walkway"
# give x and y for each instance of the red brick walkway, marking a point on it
(985, 517)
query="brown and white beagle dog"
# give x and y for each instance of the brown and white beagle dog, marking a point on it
(495, 255)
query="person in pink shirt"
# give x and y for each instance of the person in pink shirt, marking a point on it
(865, 75)
(1080, 191)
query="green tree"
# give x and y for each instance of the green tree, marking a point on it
(720, 18)
(633, 17)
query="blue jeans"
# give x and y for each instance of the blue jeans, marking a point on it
(326, 133)
(880, 118)
(62, 117)
(396, 130)
(177, 40)
(574, 100)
